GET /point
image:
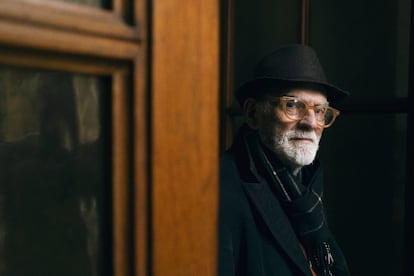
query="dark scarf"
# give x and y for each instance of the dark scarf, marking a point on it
(302, 202)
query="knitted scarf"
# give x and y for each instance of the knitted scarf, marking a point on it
(302, 204)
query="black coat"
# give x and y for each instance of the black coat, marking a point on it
(256, 237)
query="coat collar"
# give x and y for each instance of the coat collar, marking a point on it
(277, 222)
(267, 204)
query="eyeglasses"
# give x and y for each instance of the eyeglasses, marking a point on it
(295, 109)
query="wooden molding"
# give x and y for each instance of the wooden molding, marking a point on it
(68, 17)
(14, 34)
(121, 177)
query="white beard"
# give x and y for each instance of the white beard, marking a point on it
(294, 154)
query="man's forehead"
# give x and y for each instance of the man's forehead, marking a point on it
(305, 92)
(309, 95)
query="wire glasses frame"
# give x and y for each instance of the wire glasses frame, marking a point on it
(295, 109)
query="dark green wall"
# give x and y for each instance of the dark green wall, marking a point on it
(259, 27)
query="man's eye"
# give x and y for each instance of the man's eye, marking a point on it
(292, 104)
(320, 110)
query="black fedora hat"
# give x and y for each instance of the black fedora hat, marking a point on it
(290, 66)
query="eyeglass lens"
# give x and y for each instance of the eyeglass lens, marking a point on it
(297, 109)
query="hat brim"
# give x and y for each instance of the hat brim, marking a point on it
(257, 87)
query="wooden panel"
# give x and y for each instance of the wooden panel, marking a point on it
(69, 17)
(185, 85)
(55, 182)
(121, 155)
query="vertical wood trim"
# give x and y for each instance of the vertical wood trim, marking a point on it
(227, 99)
(409, 187)
(304, 24)
(185, 92)
(141, 169)
(142, 16)
(121, 237)
(119, 7)
(141, 144)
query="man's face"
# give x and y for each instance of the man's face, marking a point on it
(296, 142)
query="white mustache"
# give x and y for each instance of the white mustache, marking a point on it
(294, 134)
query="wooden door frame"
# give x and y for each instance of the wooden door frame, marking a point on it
(184, 136)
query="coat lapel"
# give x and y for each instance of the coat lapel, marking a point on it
(264, 200)
(277, 222)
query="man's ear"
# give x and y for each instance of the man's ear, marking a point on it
(250, 112)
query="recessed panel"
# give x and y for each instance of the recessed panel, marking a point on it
(54, 173)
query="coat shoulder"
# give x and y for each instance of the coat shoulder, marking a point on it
(230, 180)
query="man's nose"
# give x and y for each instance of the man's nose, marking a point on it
(310, 119)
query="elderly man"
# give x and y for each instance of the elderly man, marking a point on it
(271, 219)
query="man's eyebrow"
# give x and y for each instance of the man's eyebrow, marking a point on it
(300, 99)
